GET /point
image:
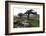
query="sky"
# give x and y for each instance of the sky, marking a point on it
(23, 10)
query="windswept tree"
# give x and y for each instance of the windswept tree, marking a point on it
(30, 12)
(20, 14)
(34, 13)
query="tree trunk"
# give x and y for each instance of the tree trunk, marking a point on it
(28, 17)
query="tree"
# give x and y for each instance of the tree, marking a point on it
(28, 12)
(34, 13)
(20, 14)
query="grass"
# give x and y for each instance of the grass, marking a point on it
(35, 23)
(32, 22)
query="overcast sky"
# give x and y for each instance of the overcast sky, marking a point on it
(23, 10)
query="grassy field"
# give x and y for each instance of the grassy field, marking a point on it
(35, 23)
(32, 22)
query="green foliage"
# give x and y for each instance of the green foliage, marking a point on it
(35, 23)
